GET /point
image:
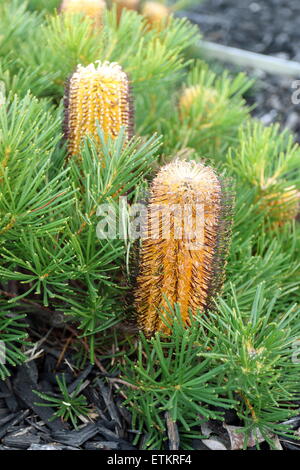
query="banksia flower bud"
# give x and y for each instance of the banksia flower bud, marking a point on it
(155, 13)
(184, 244)
(197, 93)
(91, 8)
(94, 94)
(127, 4)
(281, 206)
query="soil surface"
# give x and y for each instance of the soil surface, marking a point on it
(268, 27)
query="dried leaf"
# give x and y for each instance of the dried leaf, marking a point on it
(214, 444)
(237, 437)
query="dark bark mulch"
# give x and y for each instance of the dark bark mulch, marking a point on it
(26, 425)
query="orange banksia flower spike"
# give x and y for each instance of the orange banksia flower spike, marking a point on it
(94, 9)
(184, 244)
(97, 94)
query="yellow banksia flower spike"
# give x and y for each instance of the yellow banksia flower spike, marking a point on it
(184, 244)
(94, 9)
(280, 206)
(97, 94)
(194, 93)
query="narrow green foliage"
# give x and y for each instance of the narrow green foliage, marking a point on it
(210, 109)
(59, 45)
(30, 132)
(248, 355)
(43, 5)
(19, 80)
(15, 25)
(150, 57)
(63, 41)
(13, 338)
(260, 355)
(267, 161)
(258, 255)
(264, 155)
(70, 406)
(168, 377)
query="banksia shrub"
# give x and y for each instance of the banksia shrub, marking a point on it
(65, 237)
(97, 94)
(184, 244)
(92, 8)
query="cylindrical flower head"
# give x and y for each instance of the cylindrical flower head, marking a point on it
(280, 207)
(184, 244)
(194, 93)
(94, 94)
(92, 8)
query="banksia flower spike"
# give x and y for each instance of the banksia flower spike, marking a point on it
(97, 94)
(184, 244)
(92, 8)
(194, 93)
(280, 206)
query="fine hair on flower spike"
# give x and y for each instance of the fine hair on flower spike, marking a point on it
(184, 244)
(97, 94)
